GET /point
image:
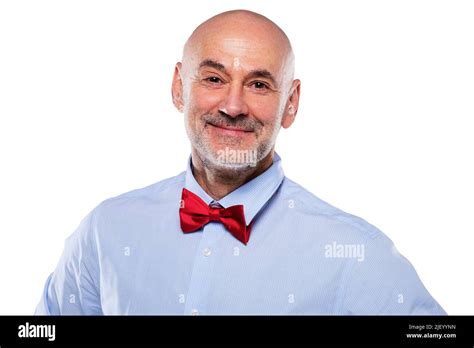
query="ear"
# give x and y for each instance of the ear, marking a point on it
(291, 107)
(177, 88)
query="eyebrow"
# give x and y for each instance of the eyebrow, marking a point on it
(262, 73)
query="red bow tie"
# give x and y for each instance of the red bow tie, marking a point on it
(195, 213)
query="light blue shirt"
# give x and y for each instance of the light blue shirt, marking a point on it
(304, 256)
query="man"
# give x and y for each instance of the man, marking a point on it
(232, 234)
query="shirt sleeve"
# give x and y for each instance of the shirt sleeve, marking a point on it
(73, 287)
(385, 282)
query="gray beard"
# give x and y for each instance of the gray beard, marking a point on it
(231, 158)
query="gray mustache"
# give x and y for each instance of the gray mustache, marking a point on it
(241, 121)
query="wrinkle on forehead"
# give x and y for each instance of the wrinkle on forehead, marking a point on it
(238, 43)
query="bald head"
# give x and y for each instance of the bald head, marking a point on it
(244, 34)
(240, 22)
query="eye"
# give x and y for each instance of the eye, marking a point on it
(213, 80)
(260, 85)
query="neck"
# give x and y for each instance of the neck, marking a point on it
(219, 182)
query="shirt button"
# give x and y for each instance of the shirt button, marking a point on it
(194, 312)
(206, 252)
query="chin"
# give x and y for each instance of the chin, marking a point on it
(220, 163)
(235, 168)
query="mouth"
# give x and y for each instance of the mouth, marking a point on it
(229, 130)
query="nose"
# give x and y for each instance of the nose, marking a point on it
(234, 104)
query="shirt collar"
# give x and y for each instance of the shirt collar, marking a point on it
(254, 194)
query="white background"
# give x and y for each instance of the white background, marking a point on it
(384, 129)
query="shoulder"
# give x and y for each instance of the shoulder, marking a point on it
(132, 208)
(311, 208)
(154, 193)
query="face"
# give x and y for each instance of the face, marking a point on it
(235, 97)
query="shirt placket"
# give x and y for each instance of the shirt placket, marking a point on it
(203, 269)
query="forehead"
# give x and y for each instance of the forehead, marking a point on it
(250, 51)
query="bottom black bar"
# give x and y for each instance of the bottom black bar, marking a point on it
(132, 331)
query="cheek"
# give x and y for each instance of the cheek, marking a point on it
(265, 108)
(202, 100)
(199, 103)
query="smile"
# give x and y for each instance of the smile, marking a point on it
(229, 130)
